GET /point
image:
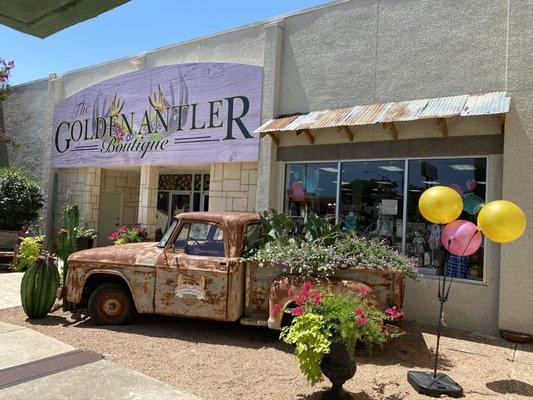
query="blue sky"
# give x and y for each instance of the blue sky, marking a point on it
(134, 27)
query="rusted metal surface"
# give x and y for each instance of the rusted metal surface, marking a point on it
(485, 104)
(274, 124)
(284, 291)
(442, 107)
(171, 282)
(269, 285)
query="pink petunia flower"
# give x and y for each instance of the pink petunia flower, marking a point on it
(276, 309)
(394, 313)
(363, 291)
(359, 311)
(316, 297)
(362, 321)
(298, 311)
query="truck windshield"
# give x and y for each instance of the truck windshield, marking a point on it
(168, 233)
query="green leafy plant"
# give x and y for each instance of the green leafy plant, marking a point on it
(20, 199)
(29, 249)
(84, 232)
(323, 317)
(319, 228)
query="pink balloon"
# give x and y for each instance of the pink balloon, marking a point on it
(461, 237)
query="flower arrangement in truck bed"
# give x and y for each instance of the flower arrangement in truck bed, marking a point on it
(322, 318)
(126, 234)
(322, 248)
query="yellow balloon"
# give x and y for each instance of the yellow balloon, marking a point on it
(440, 204)
(501, 221)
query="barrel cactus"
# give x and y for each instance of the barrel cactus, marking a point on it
(39, 286)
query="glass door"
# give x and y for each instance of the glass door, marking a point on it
(179, 203)
(180, 193)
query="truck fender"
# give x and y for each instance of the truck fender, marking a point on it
(76, 283)
(284, 290)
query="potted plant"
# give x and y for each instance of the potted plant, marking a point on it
(21, 201)
(84, 237)
(125, 234)
(325, 330)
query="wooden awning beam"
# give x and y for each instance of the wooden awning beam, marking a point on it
(501, 118)
(310, 138)
(443, 126)
(272, 136)
(392, 127)
(347, 131)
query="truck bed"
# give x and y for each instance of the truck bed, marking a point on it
(388, 286)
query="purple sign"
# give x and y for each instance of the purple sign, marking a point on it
(177, 114)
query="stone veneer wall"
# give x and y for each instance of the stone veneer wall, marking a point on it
(148, 198)
(79, 186)
(128, 183)
(233, 186)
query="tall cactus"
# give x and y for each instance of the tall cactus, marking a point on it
(67, 241)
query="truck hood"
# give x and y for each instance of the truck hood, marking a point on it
(131, 254)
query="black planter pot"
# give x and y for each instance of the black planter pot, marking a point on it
(338, 367)
(84, 243)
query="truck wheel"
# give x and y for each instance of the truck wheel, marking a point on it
(111, 304)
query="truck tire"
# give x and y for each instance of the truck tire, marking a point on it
(111, 304)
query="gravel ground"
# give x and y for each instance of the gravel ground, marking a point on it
(230, 361)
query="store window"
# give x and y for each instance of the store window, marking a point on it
(311, 186)
(371, 199)
(468, 176)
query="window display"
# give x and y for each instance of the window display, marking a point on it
(468, 177)
(312, 187)
(372, 201)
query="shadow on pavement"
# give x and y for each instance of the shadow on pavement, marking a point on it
(511, 386)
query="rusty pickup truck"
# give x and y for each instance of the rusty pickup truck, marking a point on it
(196, 271)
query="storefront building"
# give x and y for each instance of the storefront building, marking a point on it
(350, 109)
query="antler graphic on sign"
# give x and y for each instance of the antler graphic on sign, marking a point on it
(158, 103)
(116, 106)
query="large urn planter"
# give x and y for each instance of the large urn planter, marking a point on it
(338, 366)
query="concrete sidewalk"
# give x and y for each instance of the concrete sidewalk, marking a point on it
(101, 380)
(10, 289)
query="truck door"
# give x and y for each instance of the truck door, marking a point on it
(193, 279)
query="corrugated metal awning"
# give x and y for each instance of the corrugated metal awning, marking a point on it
(442, 107)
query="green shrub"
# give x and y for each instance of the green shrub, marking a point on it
(20, 199)
(29, 250)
